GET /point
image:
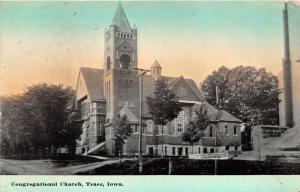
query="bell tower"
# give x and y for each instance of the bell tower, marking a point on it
(120, 43)
(121, 85)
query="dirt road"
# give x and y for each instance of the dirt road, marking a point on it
(45, 167)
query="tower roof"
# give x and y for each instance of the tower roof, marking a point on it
(120, 19)
(155, 64)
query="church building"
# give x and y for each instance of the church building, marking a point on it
(103, 93)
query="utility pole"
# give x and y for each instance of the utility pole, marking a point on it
(218, 110)
(141, 76)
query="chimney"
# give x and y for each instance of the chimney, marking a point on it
(287, 74)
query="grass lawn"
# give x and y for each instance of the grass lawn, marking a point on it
(159, 166)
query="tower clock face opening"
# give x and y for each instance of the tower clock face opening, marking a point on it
(125, 61)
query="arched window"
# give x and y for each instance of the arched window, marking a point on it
(108, 63)
(226, 129)
(179, 128)
(210, 131)
(125, 61)
(235, 130)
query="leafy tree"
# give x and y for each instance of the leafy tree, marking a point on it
(122, 130)
(16, 131)
(70, 133)
(196, 127)
(163, 104)
(39, 119)
(48, 106)
(245, 92)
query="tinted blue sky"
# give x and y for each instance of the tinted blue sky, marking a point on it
(42, 39)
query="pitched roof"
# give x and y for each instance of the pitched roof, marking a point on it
(225, 116)
(191, 83)
(120, 19)
(93, 79)
(129, 113)
(218, 115)
(155, 64)
(195, 89)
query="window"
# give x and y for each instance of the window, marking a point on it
(179, 151)
(234, 130)
(173, 151)
(205, 150)
(125, 61)
(134, 128)
(227, 148)
(150, 151)
(226, 129)
(186, 151)
(236, 148)
(212, 150)
(180, 122)
(199, 150)
(149, 126)
(210, 132)
(165, 150)
(99, 127)
(179, 128)
(108, 63)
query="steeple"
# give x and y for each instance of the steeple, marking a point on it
(120, 19)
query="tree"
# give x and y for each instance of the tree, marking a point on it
(245, 92)
(49, 106)
(70, 133)
(122, 130)
(163, 104)
(196, 127)
(39, 118)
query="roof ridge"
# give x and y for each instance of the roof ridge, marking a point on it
(93, 68)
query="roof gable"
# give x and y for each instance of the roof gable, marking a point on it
(93, 79)
(81, 89)
(125, 47)
(185, 89)
(129, 114)
(218, 115)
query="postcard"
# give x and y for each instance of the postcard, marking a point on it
(149, 95)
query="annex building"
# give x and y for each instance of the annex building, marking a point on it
(101, 94)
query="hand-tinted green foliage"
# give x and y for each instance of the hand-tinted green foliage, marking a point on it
(163, 104)
(122, 130)
(247, 93)
(196, 127)
(39, 119)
